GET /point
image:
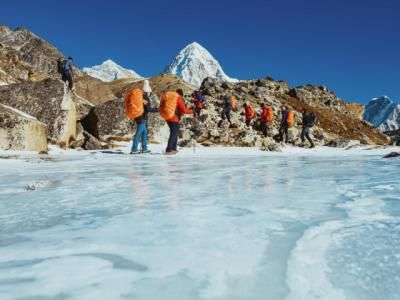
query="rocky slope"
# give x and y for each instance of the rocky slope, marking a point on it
(383, 113)
(194, 63)
(93, 115)
(109, 71)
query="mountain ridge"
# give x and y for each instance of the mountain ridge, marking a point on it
(109, 70)
(383, 113)
(194, 63)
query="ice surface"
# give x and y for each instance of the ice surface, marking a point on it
(200, 226)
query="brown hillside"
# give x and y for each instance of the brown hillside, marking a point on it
(344, 125)
(159, 84)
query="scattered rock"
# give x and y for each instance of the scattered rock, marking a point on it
(392, 154)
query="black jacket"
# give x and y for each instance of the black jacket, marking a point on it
(147, 109)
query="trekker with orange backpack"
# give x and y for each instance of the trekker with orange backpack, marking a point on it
(287, 121)
(172, 107)
(267, 117)
(137, 104)
(249, 113)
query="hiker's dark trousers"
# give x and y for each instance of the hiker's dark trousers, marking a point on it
(284, 130)
(305, 134)
(173, 136)
(66, 76)
(226, 114)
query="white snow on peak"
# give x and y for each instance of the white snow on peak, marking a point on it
(109, 71)
(383, 113)
(194, 63)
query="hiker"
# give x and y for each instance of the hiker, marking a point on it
(308, 122)
(199, 101)
(226, 110)
(138, 105)
(64, 67)
(249, 113)
(172, 107)
(283, 128)
(287, 121)
(266, 117)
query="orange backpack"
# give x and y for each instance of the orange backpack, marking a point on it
(134, 104)
(233, 102)
(168, 105)
(270, 115)
(290, 118)
(252, 112)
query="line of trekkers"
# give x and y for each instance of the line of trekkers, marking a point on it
(172, 107)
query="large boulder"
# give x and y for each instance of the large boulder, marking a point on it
(111, 119)
(19, 131)
(50, 102)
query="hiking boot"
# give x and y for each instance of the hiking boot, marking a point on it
(312, 146)
(171, 152)
(146, 151)
(134, 152)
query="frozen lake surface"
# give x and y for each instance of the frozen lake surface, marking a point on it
(286, 226)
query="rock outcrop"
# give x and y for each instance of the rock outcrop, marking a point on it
(19, 131)
(50, 102)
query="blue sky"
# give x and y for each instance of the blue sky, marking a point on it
(353, 47)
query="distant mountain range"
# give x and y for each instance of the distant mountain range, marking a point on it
(383, 113)
(193, 64)
(109, 71)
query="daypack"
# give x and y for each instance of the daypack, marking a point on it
(270, 115)
(250, 113)
(201, 98)
(168, 105)
(233, 102)
(311, 120)
(290, 118)
(60, 66)
(134, 104)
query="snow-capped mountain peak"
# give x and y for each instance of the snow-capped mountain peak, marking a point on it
(383, 113)
(194, 63)
(109, 71)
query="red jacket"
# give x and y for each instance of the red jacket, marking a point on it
(197, 103)
(249, 112)
(180, 110)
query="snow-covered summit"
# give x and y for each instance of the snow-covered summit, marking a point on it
(194, 63)
(109, 71)
(383, 113)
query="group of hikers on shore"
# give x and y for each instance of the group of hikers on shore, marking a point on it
(172, 107)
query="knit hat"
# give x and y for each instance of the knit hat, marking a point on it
(146, 86)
